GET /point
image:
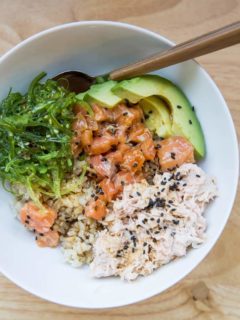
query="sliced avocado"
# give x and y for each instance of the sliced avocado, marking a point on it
(81, 95)
(101, 94)
(157, 116)
(184, 120)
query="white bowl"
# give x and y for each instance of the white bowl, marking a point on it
(96, 47)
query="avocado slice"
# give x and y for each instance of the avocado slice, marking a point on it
(184, 120)
(157, 116)
(102, 95)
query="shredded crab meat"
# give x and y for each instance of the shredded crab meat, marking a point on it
(150, 225)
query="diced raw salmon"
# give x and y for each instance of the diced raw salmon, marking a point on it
(121, 179)
(86, 138)
(102, 144)
(148, 149)
(37, 219)
(102, 114)
(108, 188)
(115, 157)
(133, 160)
(102, 166)
(48, 239)
(174, 151)
(96, 209)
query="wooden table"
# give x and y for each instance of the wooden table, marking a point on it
(212, 290)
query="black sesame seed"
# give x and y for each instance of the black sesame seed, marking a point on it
(28, 217)
(130, 231)
(150, 112)
(184, 185)
(193, 109)
(156, 232)
(104, 159)
(125, 113)
(125, 247)
(92, 195)
(161, 214)
(36, 238)
(170, 201)
(138, 193)
(158, 192)
(96, 198)
(179, 107)
(149, 248)
(154, 240)
(173, 155)
(147, 232)
(26, 221)
(144, 252)
(173, 209)
(133, 250)
(146, 117)
(198, 176)
(135, 165)
(190, 121)
(175, 222)
(118, 255)
(41, 234)
(165, 227)
(120, 198)
(152, 219)
(173, 234)
(158, 146)
(144, 244)
(158, 220)
(130, 196)
(162, 189)
(35, 230)
(122, 183)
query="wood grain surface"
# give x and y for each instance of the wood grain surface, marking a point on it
(212, 290)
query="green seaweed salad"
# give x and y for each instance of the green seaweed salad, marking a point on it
(35, 135)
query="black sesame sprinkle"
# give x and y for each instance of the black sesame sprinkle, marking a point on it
(175, 222)
(161, 214)
(173, 209)
(152, 219)
(170, 201)
(26, 221)
(144, 244)
(122, 183)
(158, 146)
(125, 113)
(154, 240)
(147, 232)
(165, 227)
(162, 189)
(179, 107)
(190, 121)
(36, 238)
(198, 176)
(158, 220)
(135, 165)
(193, 109)
(138, 193)
(173, 155)
(130, 196)
(41, 234)
(125, 247)
(184, 185)
(28, 217)
(149, 248)
(158, 192)
(173, 234)
(133, 250)
(96, 198)
(156, 232)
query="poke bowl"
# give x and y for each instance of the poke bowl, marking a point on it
(115, 194)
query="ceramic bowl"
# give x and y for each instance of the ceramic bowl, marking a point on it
(96, 47)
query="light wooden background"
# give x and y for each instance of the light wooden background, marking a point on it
(212, 290)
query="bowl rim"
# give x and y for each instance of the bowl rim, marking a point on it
(228, 118)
